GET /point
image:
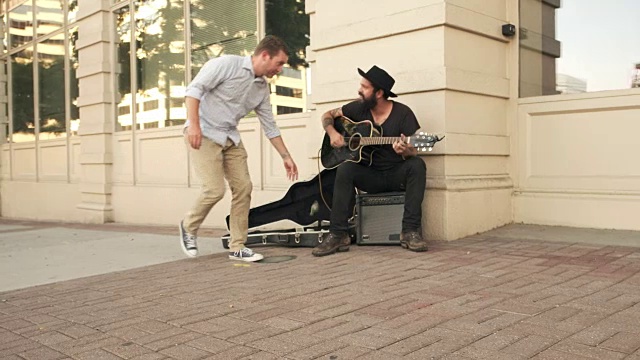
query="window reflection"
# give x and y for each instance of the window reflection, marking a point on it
(21, 25)
(4, 136)
(123, 68)
(222, 27)
(160, 63)
(22, 96)
(74, 90)
(52, 98)
(49, 16)
(3, 18)
(288, 20)
(73, 10)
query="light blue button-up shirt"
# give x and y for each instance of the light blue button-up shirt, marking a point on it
(228, 90)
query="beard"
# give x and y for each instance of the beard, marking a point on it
(368, 102)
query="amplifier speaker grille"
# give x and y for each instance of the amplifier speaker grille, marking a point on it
(379, 218)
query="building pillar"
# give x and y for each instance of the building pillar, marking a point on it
(452, 66)
(96, 111)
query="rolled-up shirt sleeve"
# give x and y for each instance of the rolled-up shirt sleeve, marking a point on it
(211, 74)
(265, 115)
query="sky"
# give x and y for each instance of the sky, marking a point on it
(600, 41)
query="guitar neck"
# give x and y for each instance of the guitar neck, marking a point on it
(382, 140)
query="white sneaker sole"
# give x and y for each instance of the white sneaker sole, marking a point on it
(254, 258)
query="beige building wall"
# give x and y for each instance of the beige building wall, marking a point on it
(576, 160)
(451, 66)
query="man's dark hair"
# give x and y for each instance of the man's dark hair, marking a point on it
(272, 45)
(384, 93)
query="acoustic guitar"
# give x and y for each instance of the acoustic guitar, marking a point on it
(359, 135)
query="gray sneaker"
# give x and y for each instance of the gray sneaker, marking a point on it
(245, 254)
(188, 242)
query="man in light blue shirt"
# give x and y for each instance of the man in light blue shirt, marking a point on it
(225, 90)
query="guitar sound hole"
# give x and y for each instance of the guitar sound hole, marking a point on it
(354, 142)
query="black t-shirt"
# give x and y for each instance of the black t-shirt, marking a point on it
(401, 120)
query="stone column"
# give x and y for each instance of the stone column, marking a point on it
(96, 111)
(452, 67)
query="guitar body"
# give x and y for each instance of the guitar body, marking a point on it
(353, 132)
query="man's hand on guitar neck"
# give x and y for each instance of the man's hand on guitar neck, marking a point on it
(402, 148)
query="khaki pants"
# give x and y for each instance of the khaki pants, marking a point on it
(212, 164)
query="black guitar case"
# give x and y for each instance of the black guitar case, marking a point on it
(305, 203)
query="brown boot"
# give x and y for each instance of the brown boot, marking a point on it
(413, 241)
(332, 243)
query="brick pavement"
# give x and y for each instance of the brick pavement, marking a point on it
(476, 298)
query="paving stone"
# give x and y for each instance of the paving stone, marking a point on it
(96, 354)
(41, 353)
(529, 346)
(623, 342)
(237, 352)
(172, 341)
(594, 335)
(577, 349)
(17, 347)
(262, 355)
(476, 298)
(184, 352)
(551, 354)
(211, 344)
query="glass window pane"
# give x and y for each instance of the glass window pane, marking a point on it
(123, 68)
(21, 25)
(4, 107)
(73, 10)
(74, 90)
(22, 95)
(51, 95)
(160, 63)
(49, 16)
(578, 46)
(288, 20)
(3, 25)
(222, 27)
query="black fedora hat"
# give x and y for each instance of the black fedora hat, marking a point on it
(380, 79)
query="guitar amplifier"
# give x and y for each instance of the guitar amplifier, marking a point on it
(379, 218)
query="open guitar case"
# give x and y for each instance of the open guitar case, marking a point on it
(306, 203)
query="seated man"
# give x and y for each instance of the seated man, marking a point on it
(393, 167)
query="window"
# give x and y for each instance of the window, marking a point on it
(42, 100)
(49, 16)
(20, 25)
(74, 90)
(288, 110)
(159, 48)
(291, 92)
(72, 13)
(222, 27)
(160, 68)
(123, 67)
(22, 96)
(168, 52)
(51, 73)
(288, 20)
(577, 46)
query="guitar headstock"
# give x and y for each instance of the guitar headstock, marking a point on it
(424, 142)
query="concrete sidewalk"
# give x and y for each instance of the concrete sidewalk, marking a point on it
(516, 292)
(35, 253)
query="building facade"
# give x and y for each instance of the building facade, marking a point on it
(93, 104)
